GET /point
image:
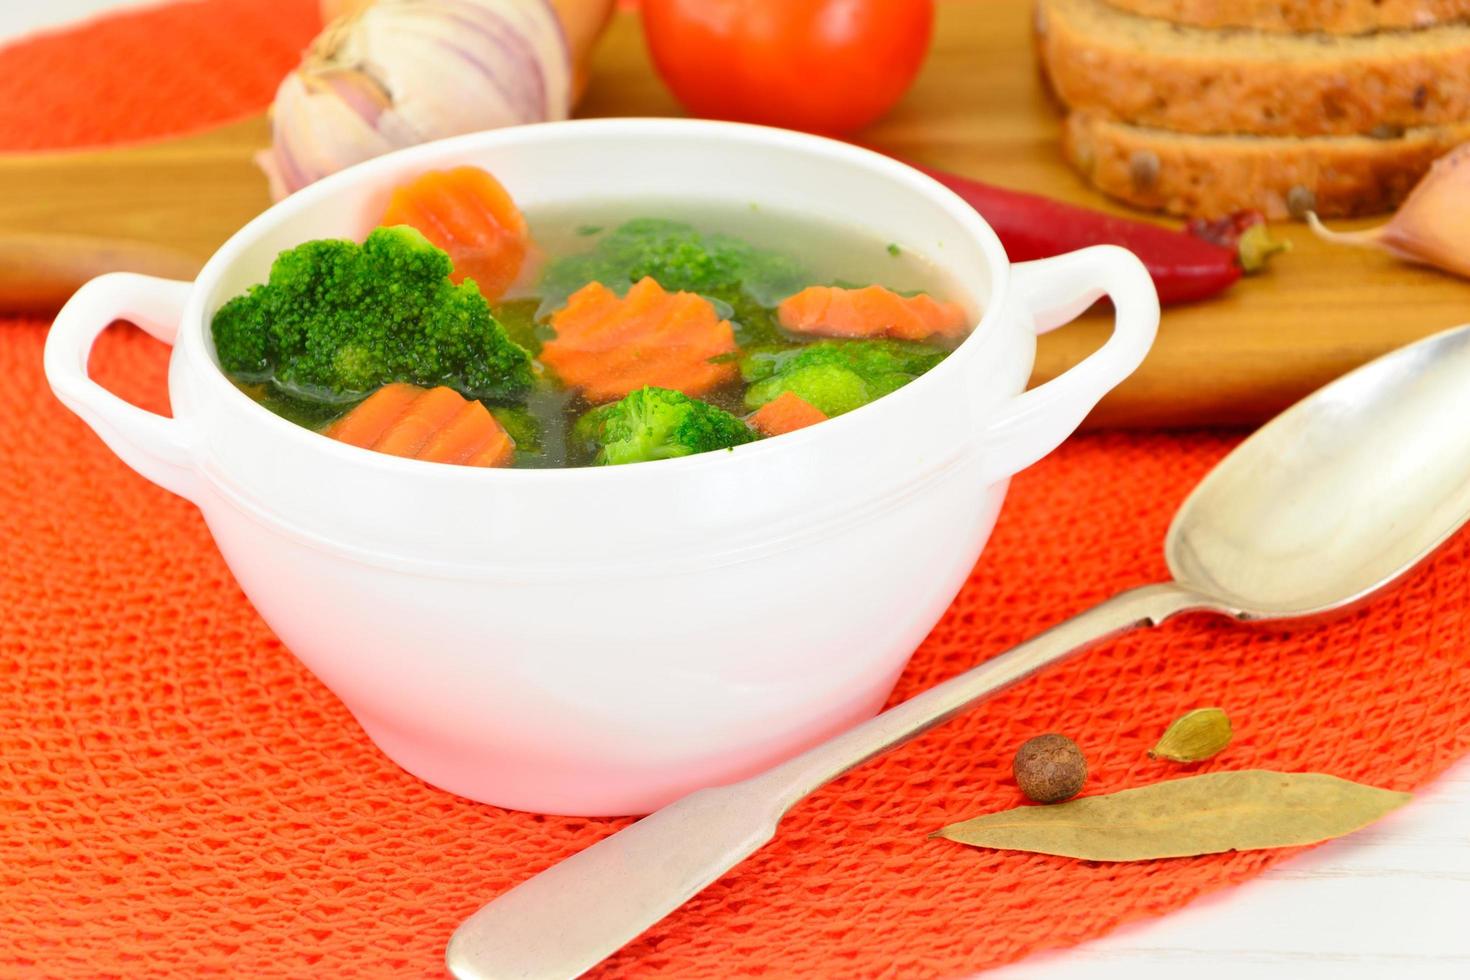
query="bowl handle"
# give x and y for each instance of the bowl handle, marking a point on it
(158, 447)
(1052, 292)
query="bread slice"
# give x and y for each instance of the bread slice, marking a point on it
(1154, 73)
(1327, 16)
(1210, 176)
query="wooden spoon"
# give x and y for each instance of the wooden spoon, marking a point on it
(38, 272)
(158, 208)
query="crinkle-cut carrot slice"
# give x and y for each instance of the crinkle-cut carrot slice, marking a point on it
(472, 436)
(438, 424)
(368, 421)
(785, 413)
(606, 346)
(498, 451)
(872, 311)
(466, 212)
(412, 430)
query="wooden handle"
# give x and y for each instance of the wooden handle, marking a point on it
(38, 272)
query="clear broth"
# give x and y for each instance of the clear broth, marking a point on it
(830, 252)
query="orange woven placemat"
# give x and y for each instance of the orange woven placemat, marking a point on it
(179, 797)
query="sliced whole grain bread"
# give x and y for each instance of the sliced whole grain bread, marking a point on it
(1153, 73)
(1327, 16)
(1209, 176)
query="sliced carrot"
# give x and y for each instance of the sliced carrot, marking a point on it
(872, 311)
(466, 212)
(785, 413)
(428, 414)
(499, 451)
(469, 433)
(607, 347)
(367, 422)
(437, 424)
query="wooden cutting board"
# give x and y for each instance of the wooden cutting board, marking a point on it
(978, 109)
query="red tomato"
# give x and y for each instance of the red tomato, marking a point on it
(829, 66)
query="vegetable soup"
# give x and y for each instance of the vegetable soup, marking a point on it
(460, 331)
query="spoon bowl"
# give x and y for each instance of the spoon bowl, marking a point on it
(1341, 495)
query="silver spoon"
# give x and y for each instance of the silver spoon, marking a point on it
(1325, 506)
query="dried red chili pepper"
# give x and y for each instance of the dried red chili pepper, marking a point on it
(1184, 266)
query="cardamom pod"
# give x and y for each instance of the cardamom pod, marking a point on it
(1194, 736)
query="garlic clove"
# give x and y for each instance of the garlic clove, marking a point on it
(362, 93)
(337, 137)
(1431, 227)
(427, 62)
(516, 52)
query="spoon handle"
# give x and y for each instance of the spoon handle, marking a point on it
(574, 914)
(794, 780)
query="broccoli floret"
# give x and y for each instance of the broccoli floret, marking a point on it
(337, 320)
(871, 358)
(836, 376)
(657, 423)
(739, 277)
(585, 438)
(829, 387)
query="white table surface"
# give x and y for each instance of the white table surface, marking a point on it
(18, 17)
(1392, 901)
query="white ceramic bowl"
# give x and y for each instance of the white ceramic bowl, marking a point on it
(602, 641)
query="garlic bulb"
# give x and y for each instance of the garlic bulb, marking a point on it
(400, 72)
(1431, 227)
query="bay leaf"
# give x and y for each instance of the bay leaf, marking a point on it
(1219, 811)
(1194, 736)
